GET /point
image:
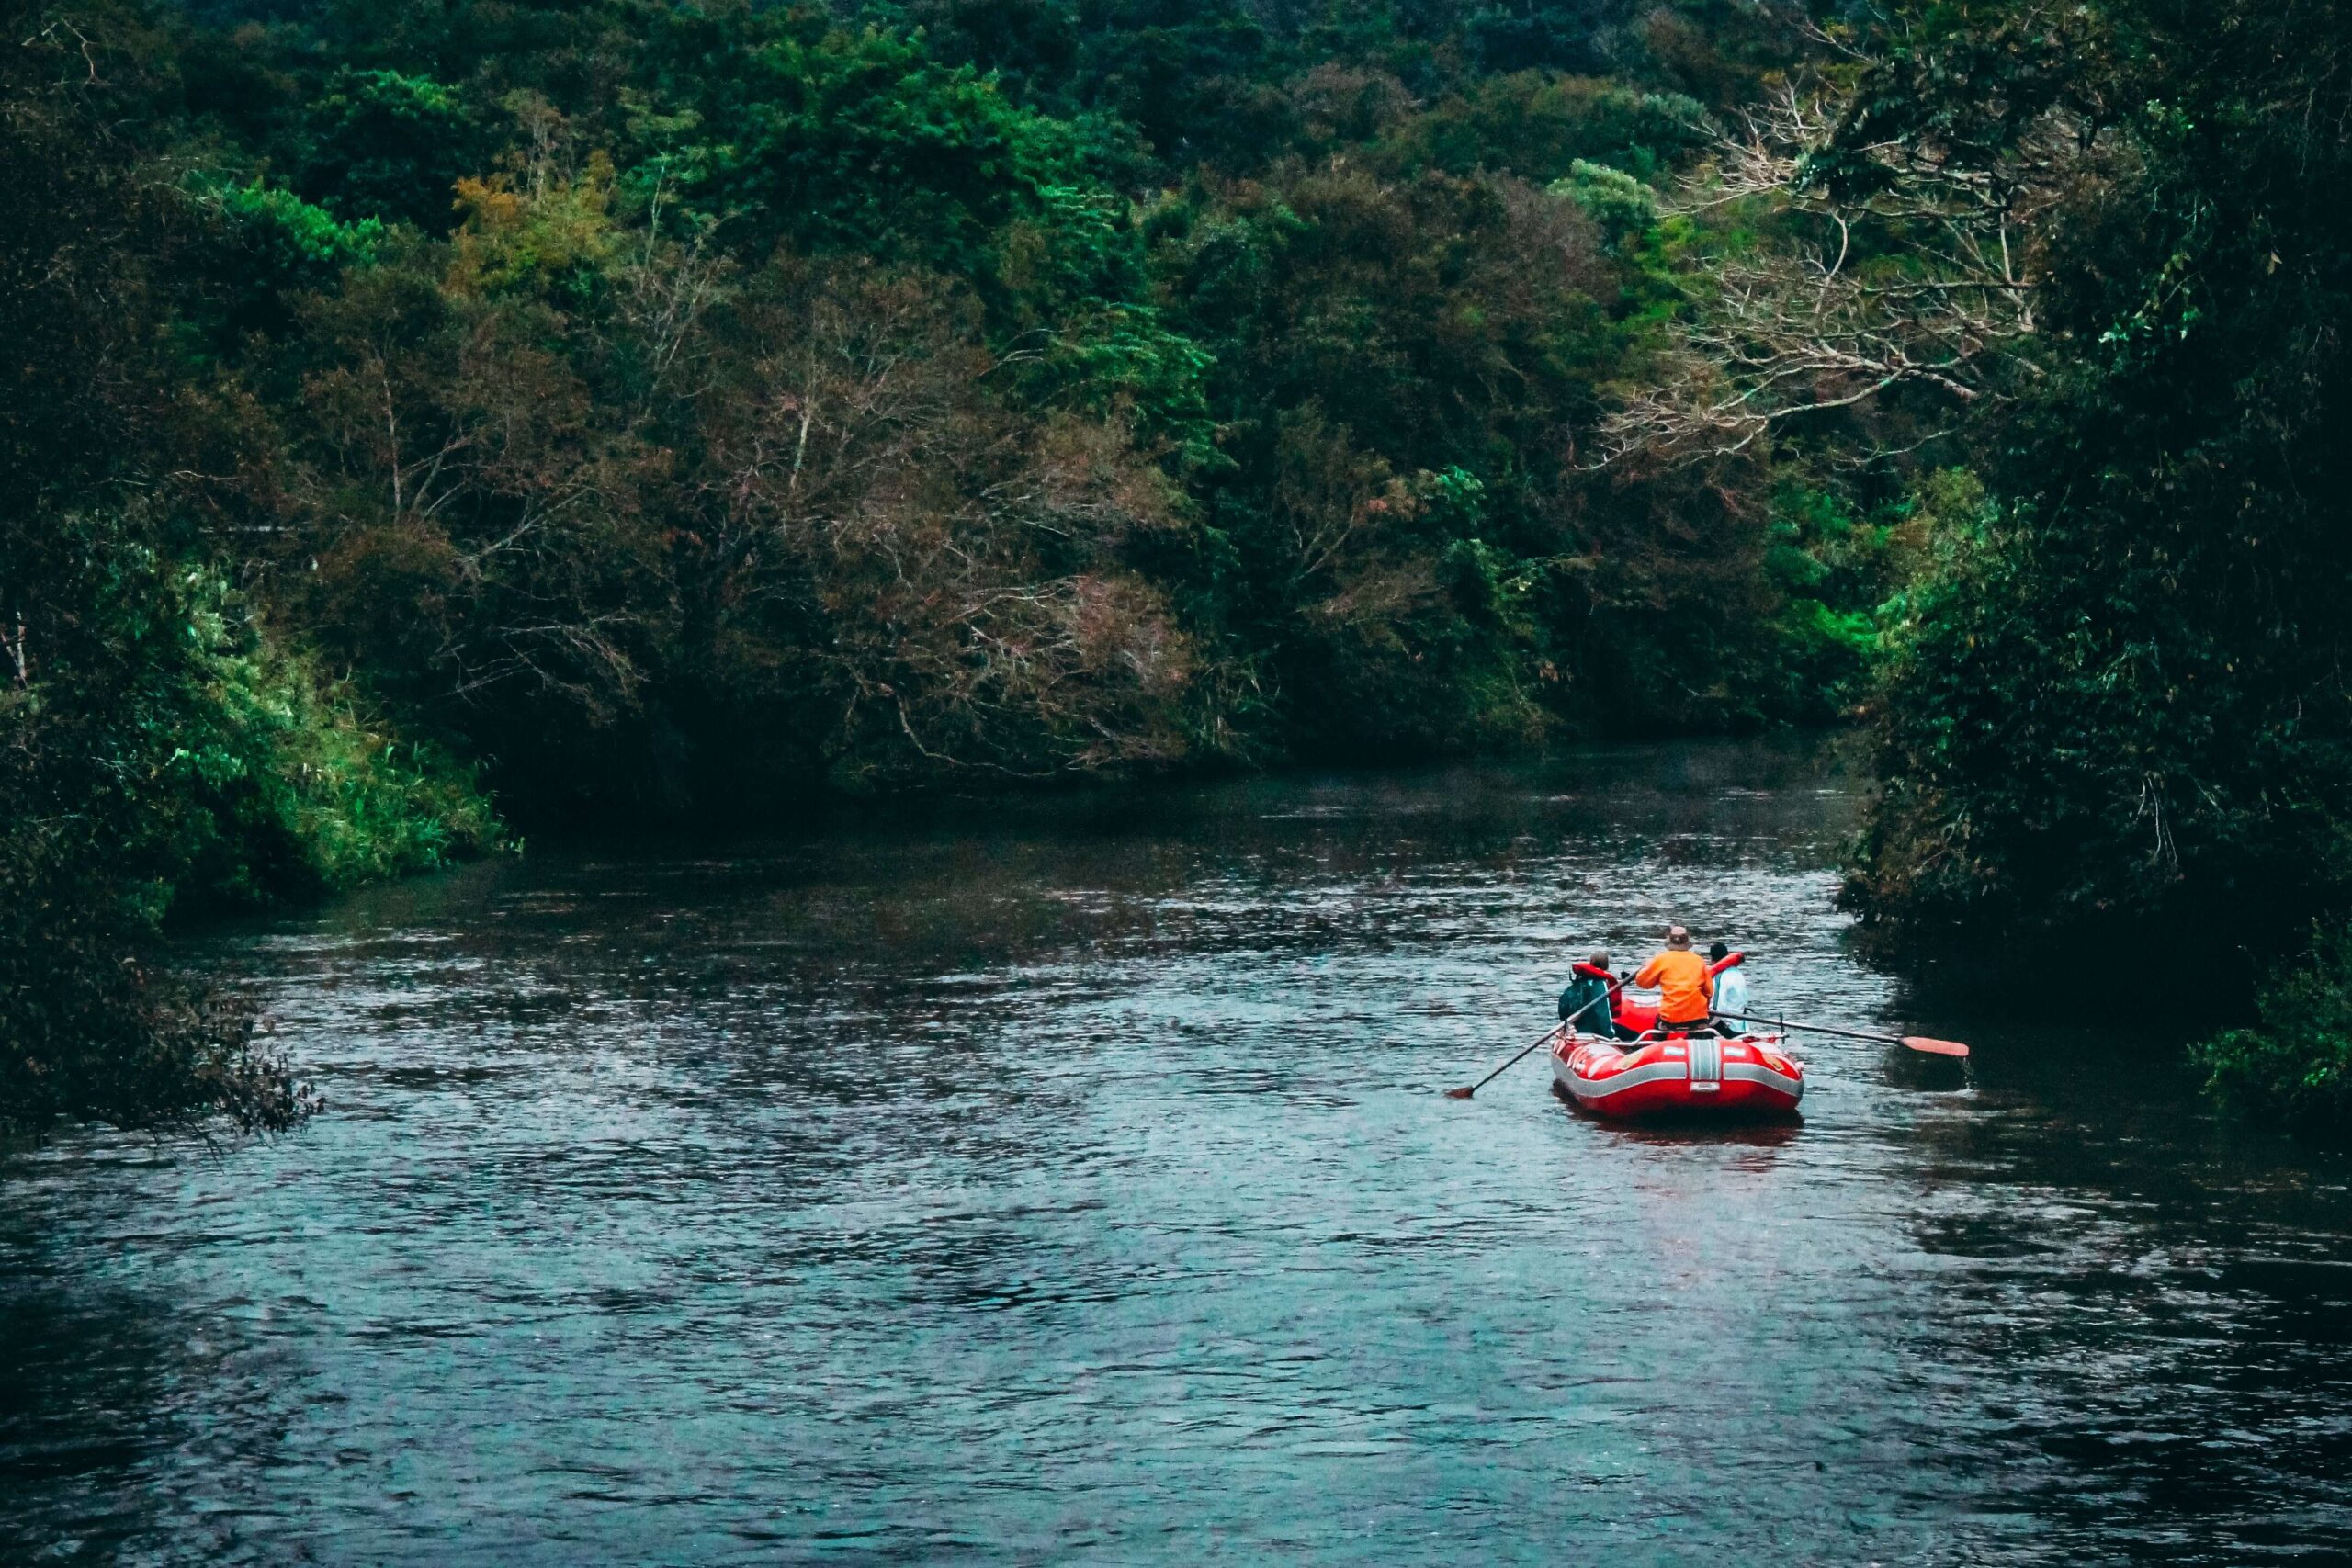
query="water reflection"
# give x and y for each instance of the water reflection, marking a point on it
(1071, 1181)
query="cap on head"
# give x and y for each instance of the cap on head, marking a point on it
(1678, 936)
(1718, 952)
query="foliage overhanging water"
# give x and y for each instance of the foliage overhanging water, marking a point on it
(1075, 1183)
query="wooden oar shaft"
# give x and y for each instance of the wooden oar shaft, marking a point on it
(1548, 1035)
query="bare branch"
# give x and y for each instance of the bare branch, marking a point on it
(1941, 298)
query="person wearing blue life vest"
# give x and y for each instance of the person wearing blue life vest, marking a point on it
(1732, 1005)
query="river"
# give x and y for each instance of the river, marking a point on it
(1071, 1181)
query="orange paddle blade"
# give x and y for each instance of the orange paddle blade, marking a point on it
(1934, 1047)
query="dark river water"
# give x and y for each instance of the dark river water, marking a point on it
(1072, 1182)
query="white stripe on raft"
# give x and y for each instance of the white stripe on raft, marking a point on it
(1631, 1077)
(1757, 1072)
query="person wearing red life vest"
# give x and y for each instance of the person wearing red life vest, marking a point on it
(1592, 999)
(1686, 991)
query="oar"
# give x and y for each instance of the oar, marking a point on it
(1932, 1046)
(1548, 1035)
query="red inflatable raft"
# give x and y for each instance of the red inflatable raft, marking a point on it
(1678, 1074)
(1669, 1072)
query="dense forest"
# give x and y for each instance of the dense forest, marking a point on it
(427, 420)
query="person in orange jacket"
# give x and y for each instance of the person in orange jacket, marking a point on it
(1686, 991)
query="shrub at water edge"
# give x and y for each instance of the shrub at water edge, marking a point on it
(2297, 1064)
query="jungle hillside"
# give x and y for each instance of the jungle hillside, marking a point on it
(431, 423)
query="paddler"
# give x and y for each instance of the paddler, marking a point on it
(1732, 1005)
(1590, 987)
(1686, 993)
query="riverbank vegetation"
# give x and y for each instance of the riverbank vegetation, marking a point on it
(2098, 244)
(2295, 1063)
(632, 408)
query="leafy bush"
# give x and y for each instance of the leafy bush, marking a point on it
(385, 144)
(96, 837)
(1543, 125)
(1620, 204)
(297, 243)
(308, 789)
(2298, 1065)
(155, 747)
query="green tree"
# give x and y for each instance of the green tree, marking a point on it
(389, 145)
(2113, 697)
